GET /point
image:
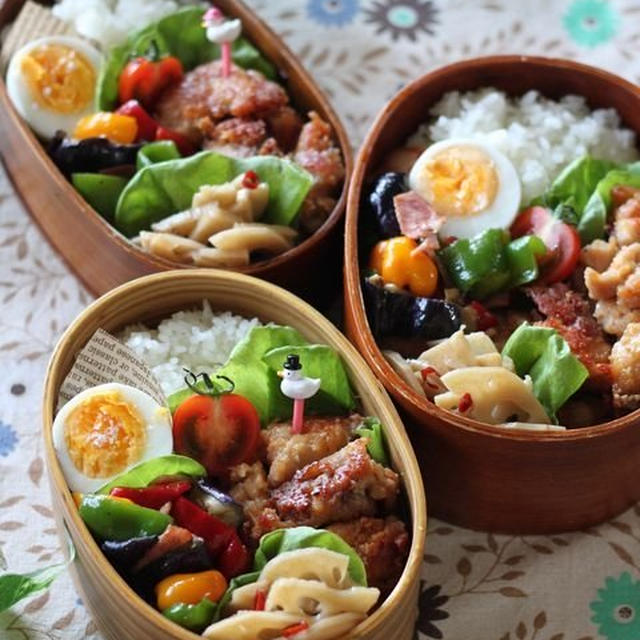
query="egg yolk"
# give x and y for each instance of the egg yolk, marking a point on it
(60, 78)
(104, 435)
(459, 181)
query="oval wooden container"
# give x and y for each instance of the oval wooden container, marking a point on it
(118, 611)
(481, 476)
(101, 256)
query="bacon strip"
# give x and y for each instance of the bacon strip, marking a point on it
(418, 220)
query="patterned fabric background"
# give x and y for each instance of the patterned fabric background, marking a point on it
(576, 586)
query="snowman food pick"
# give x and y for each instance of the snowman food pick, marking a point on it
(295, 386)
(222, 32)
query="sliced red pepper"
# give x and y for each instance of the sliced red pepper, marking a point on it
(260, 600)
(215, 533)
(185, 146)
(234, 560)
(155, 496)
(147, 126)
(250, 180)
(485, 319)
(295, 629)
(465, 403)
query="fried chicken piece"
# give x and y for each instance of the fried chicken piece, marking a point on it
(340, 487)
(287, 452)
(625, 366)
(237, 137)
(317, 153)
(620, 193)
(204, 96)
(599, 254)
(613, 318)
(620, 280)
(284, 126)
(570, 315)
(383, 545)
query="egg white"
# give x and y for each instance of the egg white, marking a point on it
(500, 213)
(45, 122)
(159, 440)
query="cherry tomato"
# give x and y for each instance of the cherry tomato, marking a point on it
(219, 431)
(144, 79)
(562, 240)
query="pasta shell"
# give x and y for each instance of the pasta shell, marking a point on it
(255, 237)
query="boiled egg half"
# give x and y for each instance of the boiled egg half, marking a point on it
(51, 82)
(469, 183)
(105, 430)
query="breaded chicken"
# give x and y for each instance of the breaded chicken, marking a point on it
(287, 452)
(625, 365)
(570, 315)
(340, 487)
(383, 545)
(204, 96)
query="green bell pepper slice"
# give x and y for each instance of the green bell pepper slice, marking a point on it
(101, 191)
(116, 519)
(195, 617)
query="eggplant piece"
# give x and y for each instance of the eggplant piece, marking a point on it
(402, 315)
(380, 202)
(217, 503)
(124, 554)
(90, 155)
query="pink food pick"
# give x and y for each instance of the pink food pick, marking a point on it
(222, 32)
(298, 388)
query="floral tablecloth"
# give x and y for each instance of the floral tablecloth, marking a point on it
(475, 585)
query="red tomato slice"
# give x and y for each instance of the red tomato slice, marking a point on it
(219, 431)
(561, 239)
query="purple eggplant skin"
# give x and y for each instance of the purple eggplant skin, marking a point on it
(380, 202)
(206, 495)
(124, 554)
(401, 315)
(90, 155)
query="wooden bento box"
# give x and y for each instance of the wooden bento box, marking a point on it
(118, 611)
(101, 256)
(482, 476)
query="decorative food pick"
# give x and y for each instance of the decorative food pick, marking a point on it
(222, 32)
(297, 387)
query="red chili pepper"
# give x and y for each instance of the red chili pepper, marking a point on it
(147, 126)
(294, 629)
(425, 373)
(185, 146)
(155, 496)
(448, 240)
(222, 540)
(465, 403)
(146, 77)
(259, 600)
(250, 180)
(485, 319)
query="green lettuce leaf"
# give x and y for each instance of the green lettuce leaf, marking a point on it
(162, 189)
(179, 34)
(544, 355)
(371, 429)
(145, 473)
(234, 583)
(15, 586)
(318, 361)
(594, 217)
(252, 377)
(575, 184)
(158, 151)
(276, 542)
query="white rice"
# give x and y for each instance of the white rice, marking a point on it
(196, 340)
(109, 22)
(540, 136)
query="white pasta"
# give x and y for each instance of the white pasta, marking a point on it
(312, 597)
(212, 257)
(403, 368)
(311, 585)
(313, 563)
(251, 625)
(254, 237)
(169, 246)
(497, 394)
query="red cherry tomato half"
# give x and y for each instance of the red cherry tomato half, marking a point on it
(218, 431)
(562, 240)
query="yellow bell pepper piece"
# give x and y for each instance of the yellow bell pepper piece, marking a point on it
(398, 262)
(114, 126)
